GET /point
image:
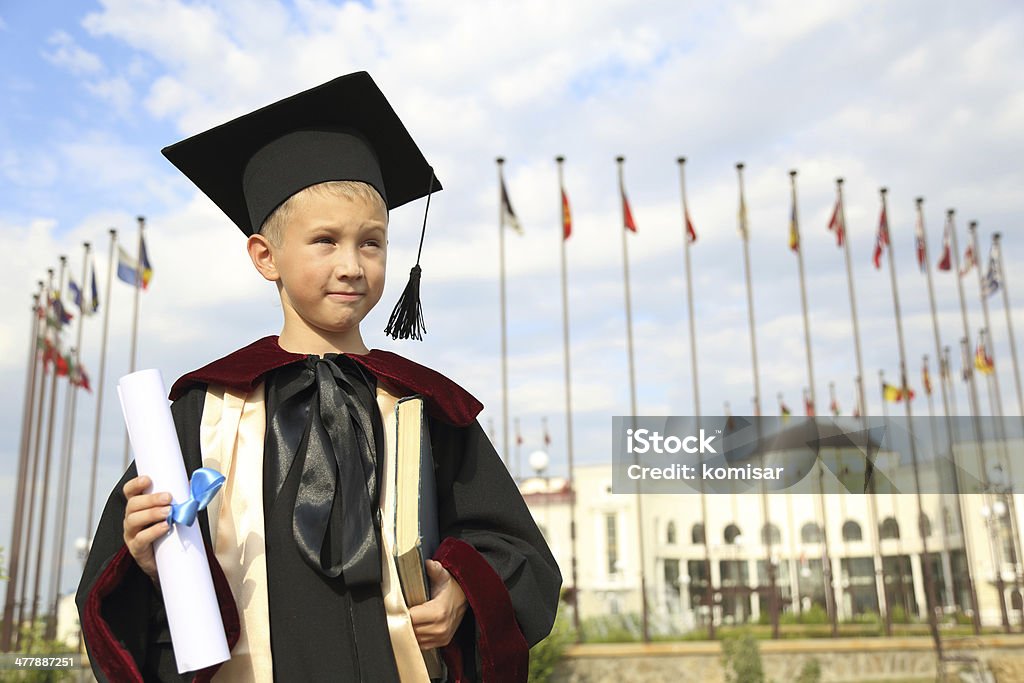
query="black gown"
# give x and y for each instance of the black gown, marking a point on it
(320, 628)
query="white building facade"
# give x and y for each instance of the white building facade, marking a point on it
(871, 545)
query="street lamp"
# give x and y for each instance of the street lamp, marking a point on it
(539, 461)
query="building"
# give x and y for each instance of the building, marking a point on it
(869, 546)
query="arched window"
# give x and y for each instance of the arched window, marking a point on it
(851, 531)
(697, 534)
(810, 533)
(770, 535)
(889, 529)
(670, 533)
(731, 533)
(926, 525)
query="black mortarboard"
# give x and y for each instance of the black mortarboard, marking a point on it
(344, 129)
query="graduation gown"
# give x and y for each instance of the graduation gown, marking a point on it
(320, 626)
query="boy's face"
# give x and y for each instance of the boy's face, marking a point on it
(331, 261)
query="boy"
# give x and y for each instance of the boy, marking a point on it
(303, 573)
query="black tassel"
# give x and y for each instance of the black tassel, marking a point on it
(406, 320)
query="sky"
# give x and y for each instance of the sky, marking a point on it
(924, 98)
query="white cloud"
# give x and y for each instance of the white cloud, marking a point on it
(67, 54)
(27, 169)
(117, 92)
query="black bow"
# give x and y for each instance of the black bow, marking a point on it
(339, 469)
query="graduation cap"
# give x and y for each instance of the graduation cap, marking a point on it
(344, 129)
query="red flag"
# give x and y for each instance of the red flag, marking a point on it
(835, 224)
(62, 367)
(566, 216)
(691, 234)
(627, 214)
(969, 261)
(808, 406)
(881, 239)
(946, 261)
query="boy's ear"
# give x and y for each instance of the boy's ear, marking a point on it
(262, 257)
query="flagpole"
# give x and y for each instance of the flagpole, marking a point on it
(795, 227)
(135, 324)
(26, 429)
(101, 383)
(876, 541)
(827, 557)
(960, 507)
(946, 365)
(33, 476)
(904, 387)
(803, 295)
(892, 499)
(504, 325)
(56, 540)
(949, 599)
(853, 302)
(560, 160)
(972, 229)
(632, 406)
(71, 405)
(709, 594)
(1009, 322)
(745, 233)
(972, 395)
(46, 468)
(972, 388)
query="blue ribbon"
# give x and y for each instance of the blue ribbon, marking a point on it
(204, 485)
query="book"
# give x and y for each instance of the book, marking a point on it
(416, 530)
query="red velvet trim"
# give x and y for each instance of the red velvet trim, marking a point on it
(243, 369)
(504, 654)
(240, 370)
(104, 649)
(110, 655)
(452, 655)
(446, 399)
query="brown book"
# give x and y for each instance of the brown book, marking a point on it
(416, 530)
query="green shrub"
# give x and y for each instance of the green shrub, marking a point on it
(741, 658)
(870, 617)
(815, 615)
(899, 615)
(546, 654)
(963, 619)
(612, 628)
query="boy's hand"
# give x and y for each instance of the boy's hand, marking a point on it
(145, 520)
(436, 620)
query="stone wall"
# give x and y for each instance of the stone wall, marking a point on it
(844, 660)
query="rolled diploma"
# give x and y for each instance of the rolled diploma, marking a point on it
(193, 614)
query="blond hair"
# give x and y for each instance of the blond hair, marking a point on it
(273, 227)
